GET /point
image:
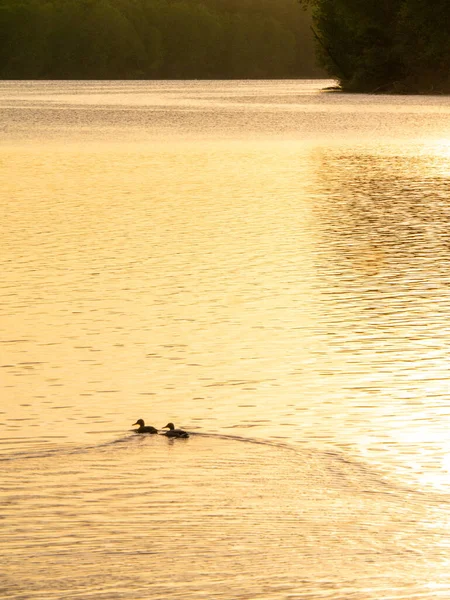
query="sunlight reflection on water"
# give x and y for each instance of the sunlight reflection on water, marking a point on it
(256, 259)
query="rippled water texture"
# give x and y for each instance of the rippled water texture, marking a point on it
(267, 265)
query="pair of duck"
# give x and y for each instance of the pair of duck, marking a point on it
(172, 433)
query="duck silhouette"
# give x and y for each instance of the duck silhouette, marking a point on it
(174, 433)
(143, 428)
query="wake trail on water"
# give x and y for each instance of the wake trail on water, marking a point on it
(334, 466)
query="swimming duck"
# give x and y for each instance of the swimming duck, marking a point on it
(178, 433)
(143, 428)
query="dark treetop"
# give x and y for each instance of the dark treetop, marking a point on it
(398, 46)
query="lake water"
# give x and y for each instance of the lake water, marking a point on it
(265, 263)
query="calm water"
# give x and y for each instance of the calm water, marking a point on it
(265, 264)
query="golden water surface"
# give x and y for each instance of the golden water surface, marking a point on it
(266, 264)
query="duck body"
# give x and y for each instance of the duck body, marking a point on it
(143, 428)
(173, 432)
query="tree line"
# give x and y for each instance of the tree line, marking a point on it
(384, 45)
(155, 39)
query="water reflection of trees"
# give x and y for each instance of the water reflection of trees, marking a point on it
(383, 267)
(385, 214)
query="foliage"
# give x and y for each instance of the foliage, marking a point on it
(384, 45)
(426, 45)
(98, 39)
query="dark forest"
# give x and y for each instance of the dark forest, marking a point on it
(398, 46)
(155, 39)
